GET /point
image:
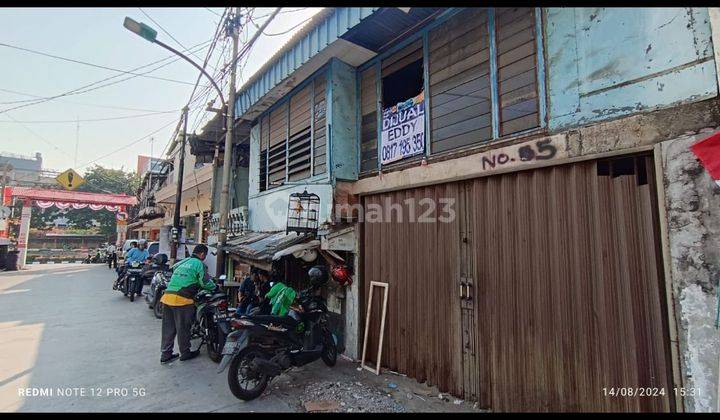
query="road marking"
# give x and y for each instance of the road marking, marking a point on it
(9, 292)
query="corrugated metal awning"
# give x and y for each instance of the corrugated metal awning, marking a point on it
(263, 245)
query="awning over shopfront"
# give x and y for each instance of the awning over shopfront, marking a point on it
(260, 247)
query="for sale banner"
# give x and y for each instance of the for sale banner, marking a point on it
(403, 130)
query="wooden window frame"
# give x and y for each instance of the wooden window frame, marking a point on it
(285, 101)
(422, 33)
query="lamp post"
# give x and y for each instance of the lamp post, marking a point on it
(149, 34)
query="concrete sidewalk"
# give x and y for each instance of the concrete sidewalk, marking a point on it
(71, 343)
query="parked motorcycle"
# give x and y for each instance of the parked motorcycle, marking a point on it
(264, 346)
(212, 321)
(161, 274)
(98, 257)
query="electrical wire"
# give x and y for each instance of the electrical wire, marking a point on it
(166, 32)
(38, 136)
(281, 12)
(92, 119)
(134, 142)
(210, 50)
(289, 30)
(212, 11)
(72, 60)
(77, 103)
(86, 88)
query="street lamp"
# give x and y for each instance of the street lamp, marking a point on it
(150, 34)
(140, 29)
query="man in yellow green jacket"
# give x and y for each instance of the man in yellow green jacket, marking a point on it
(189, 276)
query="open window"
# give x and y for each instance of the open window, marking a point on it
(402, 129)
(402, 75)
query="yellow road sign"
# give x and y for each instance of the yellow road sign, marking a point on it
(70, 179)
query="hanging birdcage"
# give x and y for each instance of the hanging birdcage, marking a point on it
(303, 209)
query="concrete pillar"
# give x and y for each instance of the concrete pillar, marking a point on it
(24, 233)
(692, 200)
(353, 340)
(121, 232)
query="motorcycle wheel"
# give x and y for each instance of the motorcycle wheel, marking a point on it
(240, 374)
(329, 351)
(212, 339)
(124, 287)
(158, 308)
(215, 344)
(131, 286)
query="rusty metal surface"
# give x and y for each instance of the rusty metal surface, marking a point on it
(566, 296)
(263, 245)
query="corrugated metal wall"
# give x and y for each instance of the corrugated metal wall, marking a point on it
(565, 289)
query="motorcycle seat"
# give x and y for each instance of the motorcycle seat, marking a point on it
(285, 321)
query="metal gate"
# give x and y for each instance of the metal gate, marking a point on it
(543, 293)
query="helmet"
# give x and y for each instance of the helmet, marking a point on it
(341, 274)
(160, 259)
(317, 276)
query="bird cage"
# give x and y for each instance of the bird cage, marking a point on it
(303, 209)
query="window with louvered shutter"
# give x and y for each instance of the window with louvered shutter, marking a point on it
(460, 93)
(277, 146)
(299, 140)
(319, 111)
(264, 142)
(517, 68)
(368, 118)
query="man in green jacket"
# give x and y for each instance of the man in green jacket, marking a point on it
(189, 276)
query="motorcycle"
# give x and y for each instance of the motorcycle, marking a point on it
(98, 257)
(128, 284)
(212, 321)
(158, 284)
(262, 347)
(161, 273)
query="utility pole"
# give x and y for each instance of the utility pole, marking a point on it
(227, 156)
(176, 230)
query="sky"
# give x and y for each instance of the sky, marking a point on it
(97, 36)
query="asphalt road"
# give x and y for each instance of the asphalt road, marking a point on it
(64, 331)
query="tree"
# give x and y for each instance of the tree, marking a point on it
(108, 181)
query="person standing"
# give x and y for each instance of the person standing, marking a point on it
(189, 276)
(111, 251)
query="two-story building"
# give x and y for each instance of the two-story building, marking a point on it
(521, 180)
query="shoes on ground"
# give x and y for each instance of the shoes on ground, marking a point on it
(191, 355)
(172, 357)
